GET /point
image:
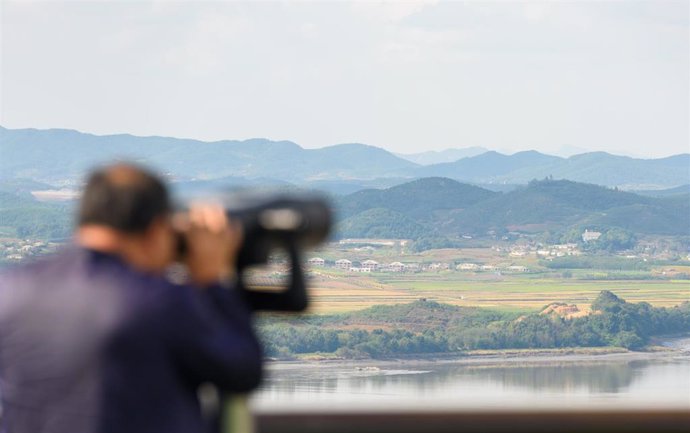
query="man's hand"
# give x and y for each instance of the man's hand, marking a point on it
(212, 244)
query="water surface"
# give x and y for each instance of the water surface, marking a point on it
(548, 384)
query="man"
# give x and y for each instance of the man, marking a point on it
(96, 340)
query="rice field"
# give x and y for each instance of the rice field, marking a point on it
(506, 293)
(334, 290)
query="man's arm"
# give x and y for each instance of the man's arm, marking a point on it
(212, 339)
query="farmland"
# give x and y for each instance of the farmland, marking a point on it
(636, 280)
(348, 293)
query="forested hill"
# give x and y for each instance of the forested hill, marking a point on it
(24, 217)
(416, 199)
(431, 327)
(445, 208)
(437, 209)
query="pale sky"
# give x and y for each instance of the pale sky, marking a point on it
(405, 76)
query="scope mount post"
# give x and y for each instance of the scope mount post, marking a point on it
(293, 298)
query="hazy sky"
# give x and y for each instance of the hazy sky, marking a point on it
(406, 76)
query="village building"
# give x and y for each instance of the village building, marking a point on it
(396, 267)
(371, 265)
(467, 267)
(359, 270)
(588, 236)
(343, 264)
(435, 267)
(569, 246)
(316, 261)
(516, 268)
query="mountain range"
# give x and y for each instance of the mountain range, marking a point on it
(443, 207)
(61, 157)
(440, 156)
(595, 167)
(434, 210)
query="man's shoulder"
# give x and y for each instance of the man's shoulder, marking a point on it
(73, 267)
(47, 267)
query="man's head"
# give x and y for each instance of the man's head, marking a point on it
(125, 210)
(124, 197)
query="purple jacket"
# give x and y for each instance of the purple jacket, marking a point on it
(89, 345)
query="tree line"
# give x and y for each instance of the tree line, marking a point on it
(439, 328)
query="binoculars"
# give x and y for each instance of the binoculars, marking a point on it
(289, 222)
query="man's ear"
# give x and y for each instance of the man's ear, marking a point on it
(152, 232)
(157, 227)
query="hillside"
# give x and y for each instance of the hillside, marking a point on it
(435, 210)
(24, 217)
(419, 198)
(381, 223)
(409, 210)
(447, 208)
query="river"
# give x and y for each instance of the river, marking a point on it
(578, 382)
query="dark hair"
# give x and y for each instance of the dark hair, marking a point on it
(125, 197)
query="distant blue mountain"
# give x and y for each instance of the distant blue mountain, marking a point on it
(487, 166)
(59, 157)
(441, 156)
(596, 167)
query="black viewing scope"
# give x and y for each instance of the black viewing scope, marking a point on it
(287, 221)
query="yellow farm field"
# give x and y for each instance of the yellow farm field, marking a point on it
(508, 294)
(339, 296)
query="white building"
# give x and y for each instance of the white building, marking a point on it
(360, 270)
(516, 268)
(588, 236)
(565, 246)
(343, 264)
(438, 267)
(396, 267)
(371, 265)
(467, 267)
(316, 261)
(412, 267)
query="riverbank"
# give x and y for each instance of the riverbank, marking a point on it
(669, 348)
